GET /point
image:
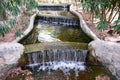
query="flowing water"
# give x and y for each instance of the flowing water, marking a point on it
(49, 33)
(54, 33)
(57, 59)
(54, 7)
(64, 61)
(63, 64)
(53, 60)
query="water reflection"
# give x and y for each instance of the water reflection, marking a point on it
(48, 33)
(91, 74)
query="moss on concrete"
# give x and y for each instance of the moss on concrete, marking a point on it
(31, 37)
(57, 45)
(92, 59)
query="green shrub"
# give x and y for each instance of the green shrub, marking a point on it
(18, 33)
(102, 25)
(4, 28)
(117, 26)
(13, 6)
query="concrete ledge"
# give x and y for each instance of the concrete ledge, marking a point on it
(83, 25)
(29, 29)
(52, 4)
(52, 45)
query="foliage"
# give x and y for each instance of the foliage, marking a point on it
(5, 26)
(102, 25)
(31, 4)
(4, 29)
(18, 33)
(25, 24)
(14, 7)
(11, 22)
(117, 26)
(105, 10)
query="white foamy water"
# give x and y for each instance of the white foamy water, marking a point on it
(68, 61)
(64, 66)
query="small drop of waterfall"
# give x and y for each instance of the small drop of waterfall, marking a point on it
(54, 7)
(58, 21)
(57, 59)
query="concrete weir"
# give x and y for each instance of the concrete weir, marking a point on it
(61, 21)
(51, 45)
(53, 7)
(76, 46)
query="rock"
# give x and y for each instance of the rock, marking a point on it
(2, 61)
(5, 69)
(15, 74)
(108, 53)
(102, 77)
(112, 39)
(10, 52)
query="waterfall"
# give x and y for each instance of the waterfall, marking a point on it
(58, 21)
(54, 7)
(57, 59)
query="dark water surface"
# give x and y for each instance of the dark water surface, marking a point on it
(90, 74)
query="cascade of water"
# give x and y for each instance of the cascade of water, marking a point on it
(57, 59)
(54, 7)
(64, 21)
(57, 55)
(29, 59)
(34, 57)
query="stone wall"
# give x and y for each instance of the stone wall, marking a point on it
(83, 24)
(28, 30)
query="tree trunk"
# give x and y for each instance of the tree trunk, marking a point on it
(119, 16)
(119, 11)
(2, 14)
(103, 14)
(114, 16)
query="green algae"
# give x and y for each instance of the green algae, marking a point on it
(54, 45)
(31, 37)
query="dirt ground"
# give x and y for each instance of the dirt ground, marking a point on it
(107, 35)
(10, 36)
